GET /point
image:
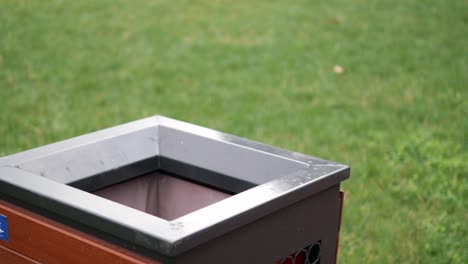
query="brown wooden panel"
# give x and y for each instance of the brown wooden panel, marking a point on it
(48, 241)
(8, 256)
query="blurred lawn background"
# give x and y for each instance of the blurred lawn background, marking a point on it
(263, 70)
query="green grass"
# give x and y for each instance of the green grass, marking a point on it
(264, 70)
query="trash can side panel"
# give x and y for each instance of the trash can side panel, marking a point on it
(277, 235)
(8, 256)
(47, 241)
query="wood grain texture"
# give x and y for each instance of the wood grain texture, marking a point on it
(48, 241)
(8, 256)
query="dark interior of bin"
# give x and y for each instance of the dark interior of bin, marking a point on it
(162, 194)
(162, 187)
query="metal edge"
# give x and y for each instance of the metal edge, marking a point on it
(247, 143)
(85, 208)
(233, 212)
(78, 141)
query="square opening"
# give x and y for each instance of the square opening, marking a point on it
(159, 166)
(163, 195)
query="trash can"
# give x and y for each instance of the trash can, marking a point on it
(158, 190)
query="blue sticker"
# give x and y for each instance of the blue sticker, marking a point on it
(3, 227)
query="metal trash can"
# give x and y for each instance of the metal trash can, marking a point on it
(158, 190)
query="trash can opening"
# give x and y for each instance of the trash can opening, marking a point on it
(180, 193)
(163, 195)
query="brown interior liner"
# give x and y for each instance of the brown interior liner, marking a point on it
(162, 195)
